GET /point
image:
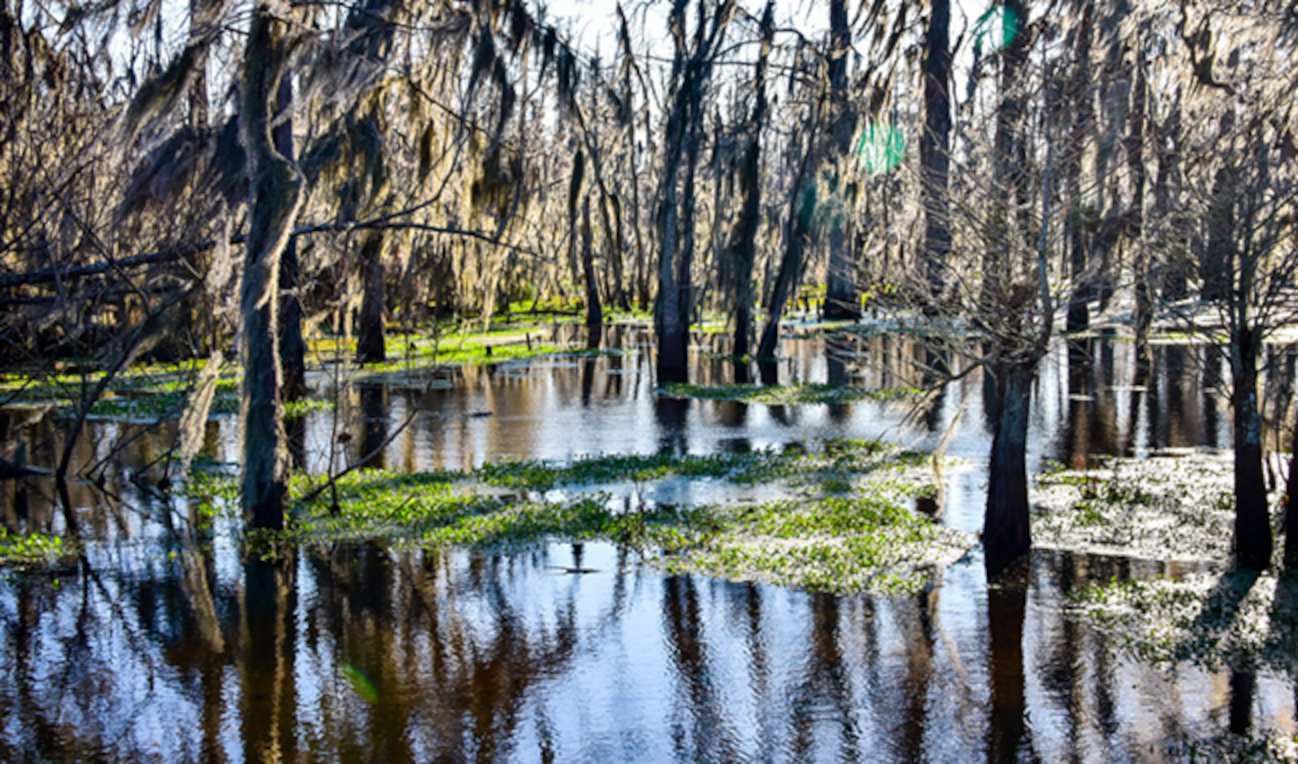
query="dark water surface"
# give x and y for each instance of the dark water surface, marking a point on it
(165, 645)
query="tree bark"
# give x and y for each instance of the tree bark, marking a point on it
(1252, 518)
(841, 301)
(1291, 520)
(1006, 531)
(742, 252)
(370, 333)
(1135, 219)
(1078, 312)
(276, 198)
(594, 313)
(802, 203)
(934, 151)
(292, 349)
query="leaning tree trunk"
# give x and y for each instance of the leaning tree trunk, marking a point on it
(370, 334)
(1006, 532)
(277, 190)
(1252, 519)
(785, 282)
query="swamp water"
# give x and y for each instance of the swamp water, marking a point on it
(167, 645)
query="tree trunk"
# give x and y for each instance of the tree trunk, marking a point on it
(276, 197)
(785, 283)
(671, 320)
(934, 151)
(1135, 219)
(1166, 182)
(1078, 312)
(292, 350)
(1006, 531)
(742, 252)
(370, 334)
(1291, 519)
(594, 313)
(802, 204)
(841, 301)
(1252, 519)
(1214, 262)
(1010, 162)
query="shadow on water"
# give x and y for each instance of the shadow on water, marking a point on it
(169, 644)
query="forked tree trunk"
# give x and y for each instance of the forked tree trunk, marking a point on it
(370, 333)
(276, 197)
(1252, 519)
(1006, 532)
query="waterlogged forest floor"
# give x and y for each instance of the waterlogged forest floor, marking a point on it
(844, 523)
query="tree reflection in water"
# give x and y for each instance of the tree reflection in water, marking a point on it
(166, 643)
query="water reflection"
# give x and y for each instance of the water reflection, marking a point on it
(166, 643)
(573, 653)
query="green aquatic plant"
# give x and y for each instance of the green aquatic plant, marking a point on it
(34, 550)
(774, 395)
(859, 536)
(302, 406)
(1230, 618)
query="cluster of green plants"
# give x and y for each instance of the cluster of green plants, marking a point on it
(862, 537)
(847, 528)
(1230, 618)
(1157, 507)
(831, 461)
(776, 395)
(147, 391)
(33, 549)
(302, 406)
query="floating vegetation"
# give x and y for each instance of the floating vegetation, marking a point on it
(34, 550)
(855, 537)
(1237, 619)
(1160, 507)
(775, 395)
(301, 407)
(868, 541)
(152, 392)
